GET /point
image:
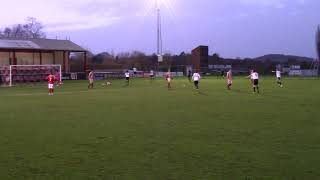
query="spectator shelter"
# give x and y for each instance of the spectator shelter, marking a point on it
(39, 52)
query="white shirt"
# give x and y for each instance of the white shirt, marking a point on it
(196, 77)
(127, 75)
(251, 77)
(278, 74)
(255, 75)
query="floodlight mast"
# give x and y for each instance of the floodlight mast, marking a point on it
(318, 42)
(318, 49)
(159, 33)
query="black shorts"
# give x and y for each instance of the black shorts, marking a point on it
(127, 78)
(196, 83)
(279, 78)
(256, 82)
(152, 76)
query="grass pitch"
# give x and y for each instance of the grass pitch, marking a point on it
(146, 132)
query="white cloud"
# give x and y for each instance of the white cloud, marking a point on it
(266, 3)
(64, 15)
(273, 3)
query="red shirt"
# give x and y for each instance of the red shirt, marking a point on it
(168, 75)
(51, 79)
(229, 76)
(91, 75)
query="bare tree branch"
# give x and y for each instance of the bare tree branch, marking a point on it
(32, 29)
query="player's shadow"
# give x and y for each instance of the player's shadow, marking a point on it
(240, 92)
(201, 93)
(126, 85)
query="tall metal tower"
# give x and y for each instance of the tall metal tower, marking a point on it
(318, 42)
(159, 33)
(317, 63)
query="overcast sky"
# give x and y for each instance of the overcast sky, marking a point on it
(232, 28)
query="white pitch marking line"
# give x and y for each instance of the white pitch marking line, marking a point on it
(56, 93)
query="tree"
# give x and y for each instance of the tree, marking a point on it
(18, 31)
(102, 58)
(167, 61)
(139, 60)
(32, 29)
(182, 53)
(216, 57)
(7, 32)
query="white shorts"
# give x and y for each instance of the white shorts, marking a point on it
(169, 80)
(50, 86)
(229, 81)
(90, 81)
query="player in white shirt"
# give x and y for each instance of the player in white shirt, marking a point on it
(196, 78)
(278, 76)
(127, 75)
(250, 76)
(255, 78)
(152, 75)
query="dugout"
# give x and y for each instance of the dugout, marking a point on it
(19, 51)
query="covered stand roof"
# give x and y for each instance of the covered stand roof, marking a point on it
(39, 44)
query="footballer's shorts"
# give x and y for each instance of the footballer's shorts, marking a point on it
(256, 82)
(229, 82)
(169, 80)
(278, 78)
(127, 78)
(50, 86)
(91, 81)
(196, 83)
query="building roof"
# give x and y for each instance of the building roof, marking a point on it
(40, 44)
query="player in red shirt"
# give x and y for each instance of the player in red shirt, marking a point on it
(168, 79)
(51, 79)
(229, 79)
(91, 80)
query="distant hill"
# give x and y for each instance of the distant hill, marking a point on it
(282, 58)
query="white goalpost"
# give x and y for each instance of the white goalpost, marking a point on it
(19, 74)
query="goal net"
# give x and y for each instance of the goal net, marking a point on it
(28, 74)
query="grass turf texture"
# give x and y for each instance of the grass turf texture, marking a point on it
(145, 131)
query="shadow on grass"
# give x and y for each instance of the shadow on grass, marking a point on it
(201, 93)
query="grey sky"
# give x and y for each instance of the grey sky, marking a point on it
(232, 28)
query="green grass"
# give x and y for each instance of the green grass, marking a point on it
(146, 132)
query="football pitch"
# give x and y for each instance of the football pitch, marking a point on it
(144, 131)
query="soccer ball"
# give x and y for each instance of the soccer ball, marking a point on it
(106, 84)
